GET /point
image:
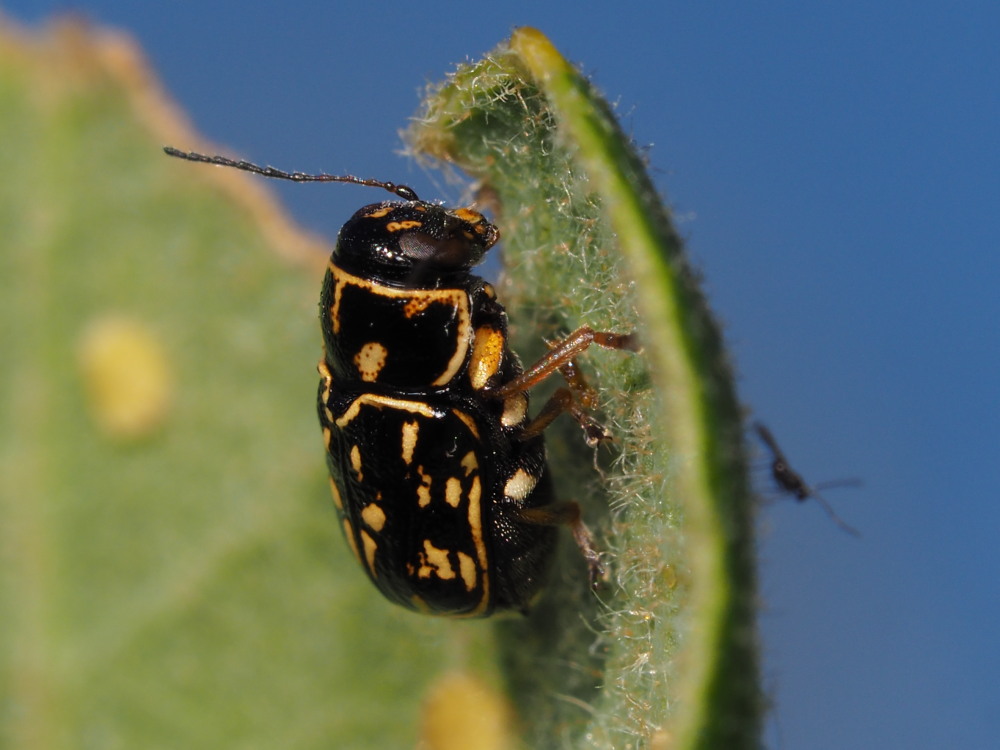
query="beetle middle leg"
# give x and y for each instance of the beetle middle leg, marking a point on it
(578, 396)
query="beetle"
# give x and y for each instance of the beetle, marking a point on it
(437, 471)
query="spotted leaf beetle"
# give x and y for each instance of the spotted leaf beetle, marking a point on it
(437, 471)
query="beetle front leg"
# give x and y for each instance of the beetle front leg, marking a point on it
(562, 354)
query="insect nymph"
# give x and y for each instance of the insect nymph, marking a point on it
(438, 471)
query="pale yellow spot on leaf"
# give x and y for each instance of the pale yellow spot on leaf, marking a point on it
(462, 712)
(126, 376)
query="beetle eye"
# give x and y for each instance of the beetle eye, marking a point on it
(450, 252)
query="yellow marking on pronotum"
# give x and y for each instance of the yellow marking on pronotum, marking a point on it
(335, 491)
(395, 226)
(487, 356)
(467, 421)
(520, 485)
(326, 437)
(379, 402)
(410, 432)
(374, 516)
(379, 213)
(356, 461)
(370, 360)
(467, 569)
(469, 463)
(417, 300)
(467, 214)
(370, 547)
(453, 491)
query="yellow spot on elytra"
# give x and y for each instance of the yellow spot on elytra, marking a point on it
(467, 569)
(395, 226)
(434, 561)
(370, 547)
(335, 491)
(410, 433)
(327, 435)
(356, 461)
(379, 213)
(469, 463)
(370, 360)
(520, 485)
(126, 376)
(453, 491)
(349, 533)
(476, 529)
(467, 421)
(374, 516)
(487, 355)
(462, 712)
(424, 490)
(475, 491)
(379, 402)
(515, 408)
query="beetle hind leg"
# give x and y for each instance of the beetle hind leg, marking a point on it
(568, 514)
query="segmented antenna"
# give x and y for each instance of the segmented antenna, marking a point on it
(792, 483)
(404, 192)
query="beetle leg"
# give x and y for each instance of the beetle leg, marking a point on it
(579, 396)
(562, 354)
(568, 514)
(563, 400)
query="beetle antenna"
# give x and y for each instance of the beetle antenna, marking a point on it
(404, 192)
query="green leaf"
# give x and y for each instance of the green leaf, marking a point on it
(173, 575)
(666, 656)
(172, 572)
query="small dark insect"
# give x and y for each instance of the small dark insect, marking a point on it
(792, 483)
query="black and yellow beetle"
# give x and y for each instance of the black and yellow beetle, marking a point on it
(437, 471)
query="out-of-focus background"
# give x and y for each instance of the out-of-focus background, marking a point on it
(835, 169)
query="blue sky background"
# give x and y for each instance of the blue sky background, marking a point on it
(835, 167)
